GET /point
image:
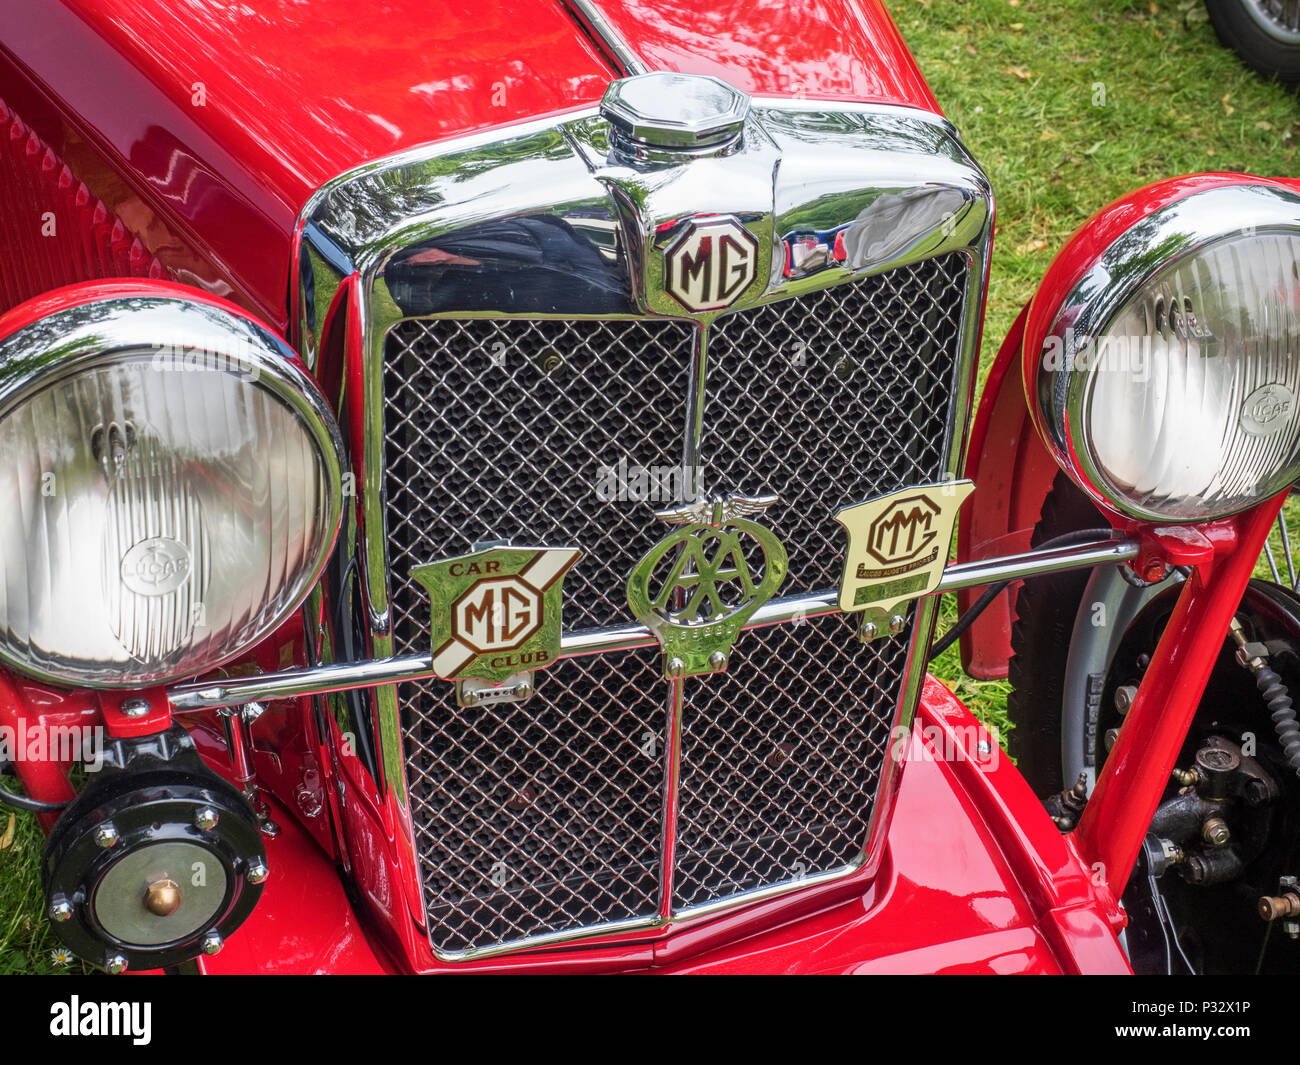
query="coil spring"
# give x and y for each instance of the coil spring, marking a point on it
(1283, 713)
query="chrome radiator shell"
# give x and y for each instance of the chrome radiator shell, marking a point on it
(384, 228)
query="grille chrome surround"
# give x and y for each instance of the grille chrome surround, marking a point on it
(531, 223)
(556, 796)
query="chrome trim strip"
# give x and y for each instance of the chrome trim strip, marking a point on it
(770, 891)
(841, 107)
(1036, 564)
(551, 939)
(593, 20)
(692, 464)
(207, 695)
(672, 794)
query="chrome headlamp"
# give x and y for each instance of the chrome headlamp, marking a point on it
(169, 493)
(1167, 381)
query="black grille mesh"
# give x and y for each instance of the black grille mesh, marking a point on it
(546, 817)
(780, 757)
(543, 816)
(497, 430)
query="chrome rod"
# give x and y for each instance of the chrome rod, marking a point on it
(321, 680)
(1286, 547)
(1036, 564)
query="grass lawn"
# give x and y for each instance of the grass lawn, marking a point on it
(27, 944)
(1067, 104)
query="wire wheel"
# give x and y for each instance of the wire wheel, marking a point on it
(1278, 18)
(1278, 562)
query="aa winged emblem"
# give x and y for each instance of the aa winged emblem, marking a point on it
(716, 511)
(697, 587)
(898, 547)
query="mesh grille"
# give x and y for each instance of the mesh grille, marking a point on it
(547, 817)
(780, 757)
(829, 400)
(497, 430)
(543, 816)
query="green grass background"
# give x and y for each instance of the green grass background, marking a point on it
(1067, 104)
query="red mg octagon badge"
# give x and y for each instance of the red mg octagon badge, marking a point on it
(711, 263)
(496, 612)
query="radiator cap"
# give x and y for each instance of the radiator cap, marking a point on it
(667, 110)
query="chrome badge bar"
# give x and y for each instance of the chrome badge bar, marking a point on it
(322, 680)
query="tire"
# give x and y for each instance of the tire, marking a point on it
(1046, 609)
(1253, 30)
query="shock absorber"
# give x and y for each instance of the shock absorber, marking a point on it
(1252, 655)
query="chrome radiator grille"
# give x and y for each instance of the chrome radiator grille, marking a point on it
(539, 817)
(497, 430)
(547, 817)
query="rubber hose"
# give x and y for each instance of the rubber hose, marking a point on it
(29, 805)
(1283, 713)
(23, 802)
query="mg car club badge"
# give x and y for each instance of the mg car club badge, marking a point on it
(711, 263)
(496, 612)
(697, 587)
(898, 546)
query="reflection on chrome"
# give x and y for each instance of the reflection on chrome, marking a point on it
(1167, 381)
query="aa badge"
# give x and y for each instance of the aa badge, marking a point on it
(697, 587)
(898, 547)
(496, 612)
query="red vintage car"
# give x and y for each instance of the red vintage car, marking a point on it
(478, 480)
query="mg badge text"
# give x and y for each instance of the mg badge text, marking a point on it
(496, 612)
(710, 264)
